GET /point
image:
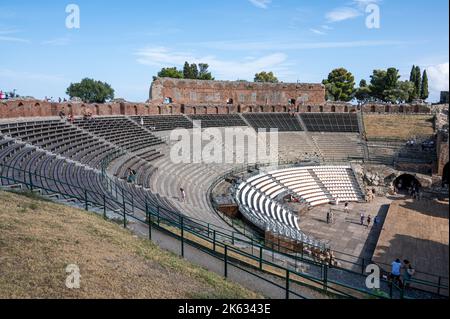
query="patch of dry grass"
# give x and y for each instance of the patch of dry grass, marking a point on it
(38, 239)
(398, 126)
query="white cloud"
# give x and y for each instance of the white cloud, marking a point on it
(342, 14)
(438, 77)
(7, 36)
(316, 31)
(28, 76)
(263, 4)
(57, 42)
(285, 46)
(222, 69)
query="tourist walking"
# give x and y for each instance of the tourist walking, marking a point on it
(396, 268)
(183, 195)
(363, 218)
(346, 208)
(376, 221)
(408, 273)
(329, 217)
(369, 221)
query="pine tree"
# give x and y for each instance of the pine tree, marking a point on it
(424, 92)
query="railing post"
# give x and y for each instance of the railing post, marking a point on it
(287, 283)
(104, 207)
(325, 278)
(391, 289)
(158, 215)
(86, 203)
(31, 180)
(124, 215)
(182, 235)
(226, 262)
(261, 258)
(214, 240)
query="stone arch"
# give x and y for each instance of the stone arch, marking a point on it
(135, 110)
(273, 109)
(309, 109)
(251, 109)
(405, 181)
(122, 109)
(110, 109)
(333, 109)
(373, 109)
(387, 108)
(159, 110)
(285, 109)
(346, 109)
(205, 110)
(97, 110)
(261, 109)
(182, 109)
(401, 109)
(170, 109)
(217, 109)
(321, 109)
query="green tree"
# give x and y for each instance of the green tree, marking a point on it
(416, 78)
(91, 91)
(401, 93)
(204, 74)
(378, 84)
(187, 71)
(340, 85)
(392, 77)
(424, 92)
(363, 93)
(266, 77)
(170, 73)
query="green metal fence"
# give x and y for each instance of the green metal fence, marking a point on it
(234, 251)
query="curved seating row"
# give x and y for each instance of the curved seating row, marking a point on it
(315, 185)
(61, 138)
(120, 131)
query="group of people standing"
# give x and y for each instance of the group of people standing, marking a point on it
(396, 276)
(364, 220)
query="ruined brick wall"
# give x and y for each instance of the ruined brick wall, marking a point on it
(443, 153)
(195, 92)
(37, 108)
(396, 108)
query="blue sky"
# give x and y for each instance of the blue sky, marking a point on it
(126, 43)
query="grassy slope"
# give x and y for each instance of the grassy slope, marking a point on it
(401, 127)
(38, 239)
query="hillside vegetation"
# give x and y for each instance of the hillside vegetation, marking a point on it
(39, 239)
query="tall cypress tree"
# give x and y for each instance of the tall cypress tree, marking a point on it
(424, 92)
(187, 71)
(413, 79)
(417, 82)
(412, 76)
